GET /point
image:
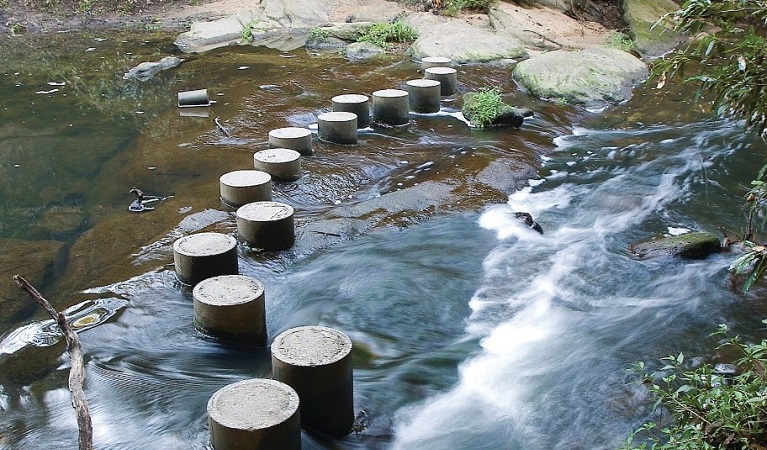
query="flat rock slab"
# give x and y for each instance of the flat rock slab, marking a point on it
(696, 245)
(592, 77)
(460, 41)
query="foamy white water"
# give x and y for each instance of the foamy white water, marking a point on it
(561, 315)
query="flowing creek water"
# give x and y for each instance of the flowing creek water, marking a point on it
(471, 331)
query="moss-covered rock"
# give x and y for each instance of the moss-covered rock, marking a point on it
(696, 245)
(641, 16)
(592, 77)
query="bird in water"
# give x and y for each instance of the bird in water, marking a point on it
(140, 204)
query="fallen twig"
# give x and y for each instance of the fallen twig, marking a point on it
(325, 233)
(76, 372)
(221, 127)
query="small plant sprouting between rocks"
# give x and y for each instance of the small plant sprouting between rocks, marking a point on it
(384, 33)
(452, 8)
(623, 42)
(247, 32)
(486, 105)
(318, 35)
(701, 408)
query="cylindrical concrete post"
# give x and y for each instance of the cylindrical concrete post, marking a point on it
(316, 362)
(266, 225)
(424, 95)
(337, 127)
(245, 186)
(445, 75)
(283, 164)
(198, 97)
(354, 103)
(204, 255)
(294, 138)
(256, 414)
(391, 106)
(435, 61)
(231, 307)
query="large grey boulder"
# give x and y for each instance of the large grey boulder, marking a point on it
(204, 36)
(460, 41)
(269, 23)
(652, 41)
(592, 77)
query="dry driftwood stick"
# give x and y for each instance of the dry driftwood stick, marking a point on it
(76, 372)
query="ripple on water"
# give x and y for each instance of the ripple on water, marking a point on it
(46, 333)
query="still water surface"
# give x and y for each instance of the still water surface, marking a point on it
(471, 331)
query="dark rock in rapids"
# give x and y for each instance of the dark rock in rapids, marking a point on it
(697, 245)
(528, 220)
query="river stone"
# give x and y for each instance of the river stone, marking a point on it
(592, 77)
(460, 41)
(204, 36)
(363, 50)
(641, 15)
(345, 31)
(147, 70)
(697, 245)
(38, 260)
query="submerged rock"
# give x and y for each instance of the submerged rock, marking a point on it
(39, 260)
(147, 70)
(697, 245)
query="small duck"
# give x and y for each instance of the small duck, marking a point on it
(141, 201)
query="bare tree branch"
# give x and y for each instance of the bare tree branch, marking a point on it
(76, 372)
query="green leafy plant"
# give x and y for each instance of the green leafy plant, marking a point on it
(729, 60)
(622, 42)
(453, 7)
(728, 57)
(318, 34)
(15, 28)
(485, 106)
(707, 409)
(384, 33)
(247, 31)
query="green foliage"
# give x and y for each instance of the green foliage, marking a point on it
(384, 33)
(728, 56)
(15, 28)
(622, 42)
(247, 32)
(454, 7)
(708, 410)
(318, 35)
(485, 106)
(728, 60)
